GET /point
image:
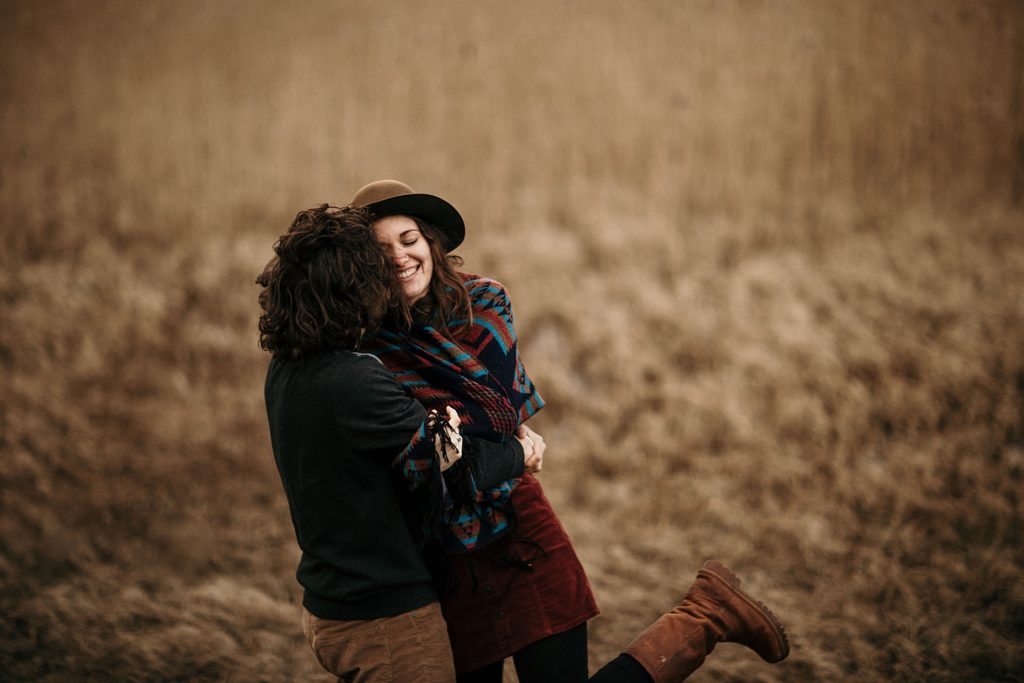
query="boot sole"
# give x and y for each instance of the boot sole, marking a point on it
(720, 571)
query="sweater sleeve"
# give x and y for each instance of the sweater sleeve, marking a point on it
(377, 415)
(372, 410)
(496, 462)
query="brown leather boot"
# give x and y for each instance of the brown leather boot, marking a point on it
(714, 610)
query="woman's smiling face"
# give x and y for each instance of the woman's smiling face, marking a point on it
(409, 252)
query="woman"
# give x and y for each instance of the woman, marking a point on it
(343, 432)
(517, 587)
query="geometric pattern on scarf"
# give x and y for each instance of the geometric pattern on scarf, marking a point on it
(480, 374)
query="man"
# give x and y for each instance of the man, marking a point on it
(340, 428)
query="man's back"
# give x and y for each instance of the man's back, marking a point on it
(337, 420)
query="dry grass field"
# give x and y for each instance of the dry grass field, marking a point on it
(768, 267)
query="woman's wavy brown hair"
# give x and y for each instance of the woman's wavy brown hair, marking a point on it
(447, 305)
(328, 284)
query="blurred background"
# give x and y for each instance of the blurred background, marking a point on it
(767, 260)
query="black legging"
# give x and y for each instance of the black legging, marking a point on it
(561, 658)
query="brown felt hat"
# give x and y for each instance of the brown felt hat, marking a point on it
(392, 197)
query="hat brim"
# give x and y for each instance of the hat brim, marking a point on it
(434, 210)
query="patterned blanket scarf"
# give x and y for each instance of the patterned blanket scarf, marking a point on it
(480, 374)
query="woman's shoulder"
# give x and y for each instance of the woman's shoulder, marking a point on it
(484, 290)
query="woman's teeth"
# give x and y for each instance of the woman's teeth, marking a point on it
(407, 273)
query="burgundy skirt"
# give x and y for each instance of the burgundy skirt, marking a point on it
(526, 586)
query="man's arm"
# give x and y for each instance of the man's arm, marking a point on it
(495, 463)
(374, 412)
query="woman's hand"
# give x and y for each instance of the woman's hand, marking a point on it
(445, 453)
(533, 449)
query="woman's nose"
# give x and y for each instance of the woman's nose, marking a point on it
(396, 253)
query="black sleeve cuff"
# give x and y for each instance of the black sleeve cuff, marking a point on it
(496, 463)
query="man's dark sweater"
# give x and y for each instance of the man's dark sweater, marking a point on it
(337, 421)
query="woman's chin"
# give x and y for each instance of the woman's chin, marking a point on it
(414, 294)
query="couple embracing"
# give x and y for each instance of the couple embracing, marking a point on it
(397, 404)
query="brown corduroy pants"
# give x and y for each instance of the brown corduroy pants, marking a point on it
(412, 646)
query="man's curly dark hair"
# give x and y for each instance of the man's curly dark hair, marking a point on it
(328, 284)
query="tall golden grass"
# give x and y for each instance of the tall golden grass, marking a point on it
(767, 260)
